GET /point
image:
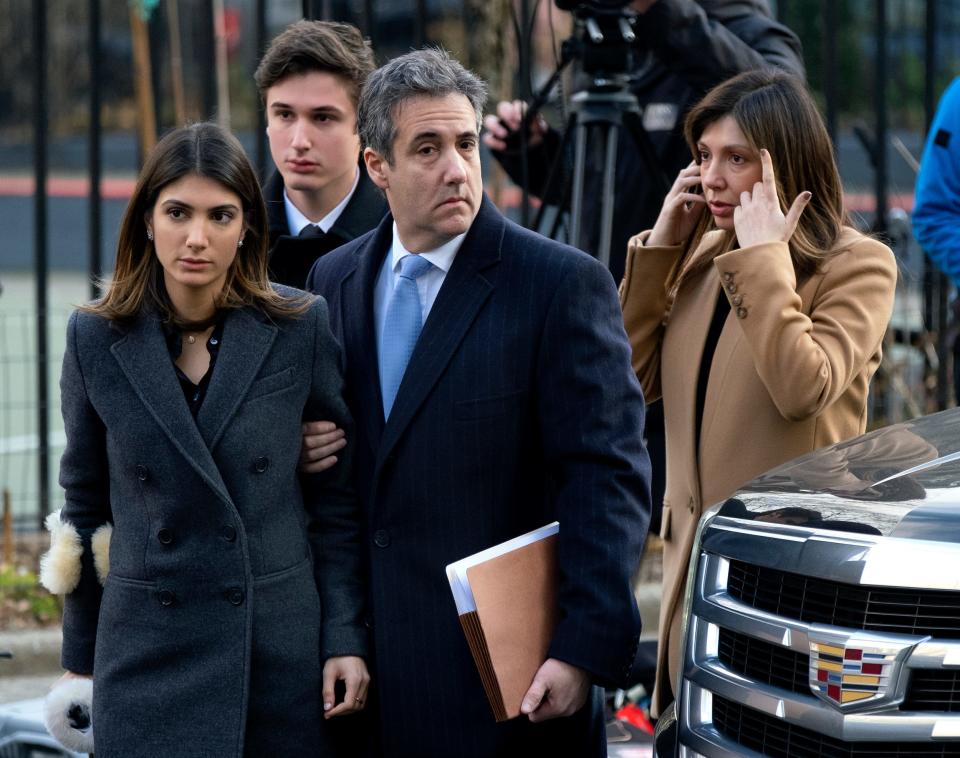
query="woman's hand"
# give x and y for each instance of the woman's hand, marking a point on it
(70, 675)
(759, 218)
(682, 209)
(321, 439)
(353, 672)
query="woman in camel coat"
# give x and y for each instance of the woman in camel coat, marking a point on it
(760, 330)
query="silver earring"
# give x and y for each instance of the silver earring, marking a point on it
(149, 235)
(240, 243)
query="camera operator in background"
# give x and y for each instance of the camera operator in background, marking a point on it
(683, 49)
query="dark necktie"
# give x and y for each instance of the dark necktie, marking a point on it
(312, 231)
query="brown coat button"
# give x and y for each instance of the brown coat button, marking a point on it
(741, 312)
(731, 288)
(738, 300)
(727, 276)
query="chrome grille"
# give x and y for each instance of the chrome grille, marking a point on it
(821, 601)
(763, 662)
(777, 738)
(933, 690)
(929, 689)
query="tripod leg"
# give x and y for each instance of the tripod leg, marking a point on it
(558, 177)
(606, 207)
(579, 160)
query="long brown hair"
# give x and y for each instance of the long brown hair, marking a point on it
(775, 111)
(208, 151)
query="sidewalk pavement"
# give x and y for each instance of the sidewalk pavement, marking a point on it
(34, 666)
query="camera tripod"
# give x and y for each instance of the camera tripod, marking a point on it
(597, 114)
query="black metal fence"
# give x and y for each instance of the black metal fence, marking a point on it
(878, 78)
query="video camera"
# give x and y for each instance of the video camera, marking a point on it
(603, 37)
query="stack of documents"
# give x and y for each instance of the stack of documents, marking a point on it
(507, 600)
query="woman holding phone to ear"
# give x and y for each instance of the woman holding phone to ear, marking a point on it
(753, 309)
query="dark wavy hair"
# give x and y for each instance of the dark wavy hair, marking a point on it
(774, 110)
(207, 151)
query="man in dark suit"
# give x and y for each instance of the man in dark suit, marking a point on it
(319, 197)
(489, 374)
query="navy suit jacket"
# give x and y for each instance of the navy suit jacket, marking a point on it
(518, 407)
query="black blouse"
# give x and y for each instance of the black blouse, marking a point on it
(720, 313)
(193, 393)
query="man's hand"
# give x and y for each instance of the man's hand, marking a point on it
(558, 689)
(353, 672)
(321, 439)
(642, 6)
(509, 117)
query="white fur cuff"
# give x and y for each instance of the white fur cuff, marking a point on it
(60, 566)
(68, 714)
(100, 544)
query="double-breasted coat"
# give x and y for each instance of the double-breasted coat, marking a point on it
(790, 374)
(518, 407)
(231, 578)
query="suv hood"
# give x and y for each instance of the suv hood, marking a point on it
(898, 481)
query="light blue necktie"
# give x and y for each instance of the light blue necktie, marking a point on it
(401, 328)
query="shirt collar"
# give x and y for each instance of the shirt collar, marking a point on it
(296, 220)
(442, 257)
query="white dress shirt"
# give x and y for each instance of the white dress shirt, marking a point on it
(296, 220)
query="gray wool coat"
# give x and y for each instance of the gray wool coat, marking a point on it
(231, 578)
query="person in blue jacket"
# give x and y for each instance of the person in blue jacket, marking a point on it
(936, 211)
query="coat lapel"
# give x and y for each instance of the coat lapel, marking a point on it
(247, 340)
(464, 291)
(359, 336)
(145, 361)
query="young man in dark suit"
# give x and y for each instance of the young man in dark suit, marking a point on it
(319, 197)
(489, 377)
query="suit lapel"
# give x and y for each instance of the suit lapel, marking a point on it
(465, 289)
(145, 361)
(359, 336)
(246, 342)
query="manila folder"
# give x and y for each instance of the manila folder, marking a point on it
(516, 601)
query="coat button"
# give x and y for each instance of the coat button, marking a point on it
(165, 536)
(381, 538)
(741, 312)
(229, 533)
(737, 300)
(143, 473)
(728, 276)
(731, 288)
(261, 464)
(235, 596)
(167, 598)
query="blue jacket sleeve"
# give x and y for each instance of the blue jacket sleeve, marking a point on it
(936, 213)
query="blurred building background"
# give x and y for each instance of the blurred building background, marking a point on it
(86, 85)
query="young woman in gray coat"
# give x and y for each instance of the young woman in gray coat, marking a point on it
(213, 594)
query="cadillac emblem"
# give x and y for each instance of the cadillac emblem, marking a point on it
(856, 670)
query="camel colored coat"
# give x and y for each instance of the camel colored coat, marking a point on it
(790, 374)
